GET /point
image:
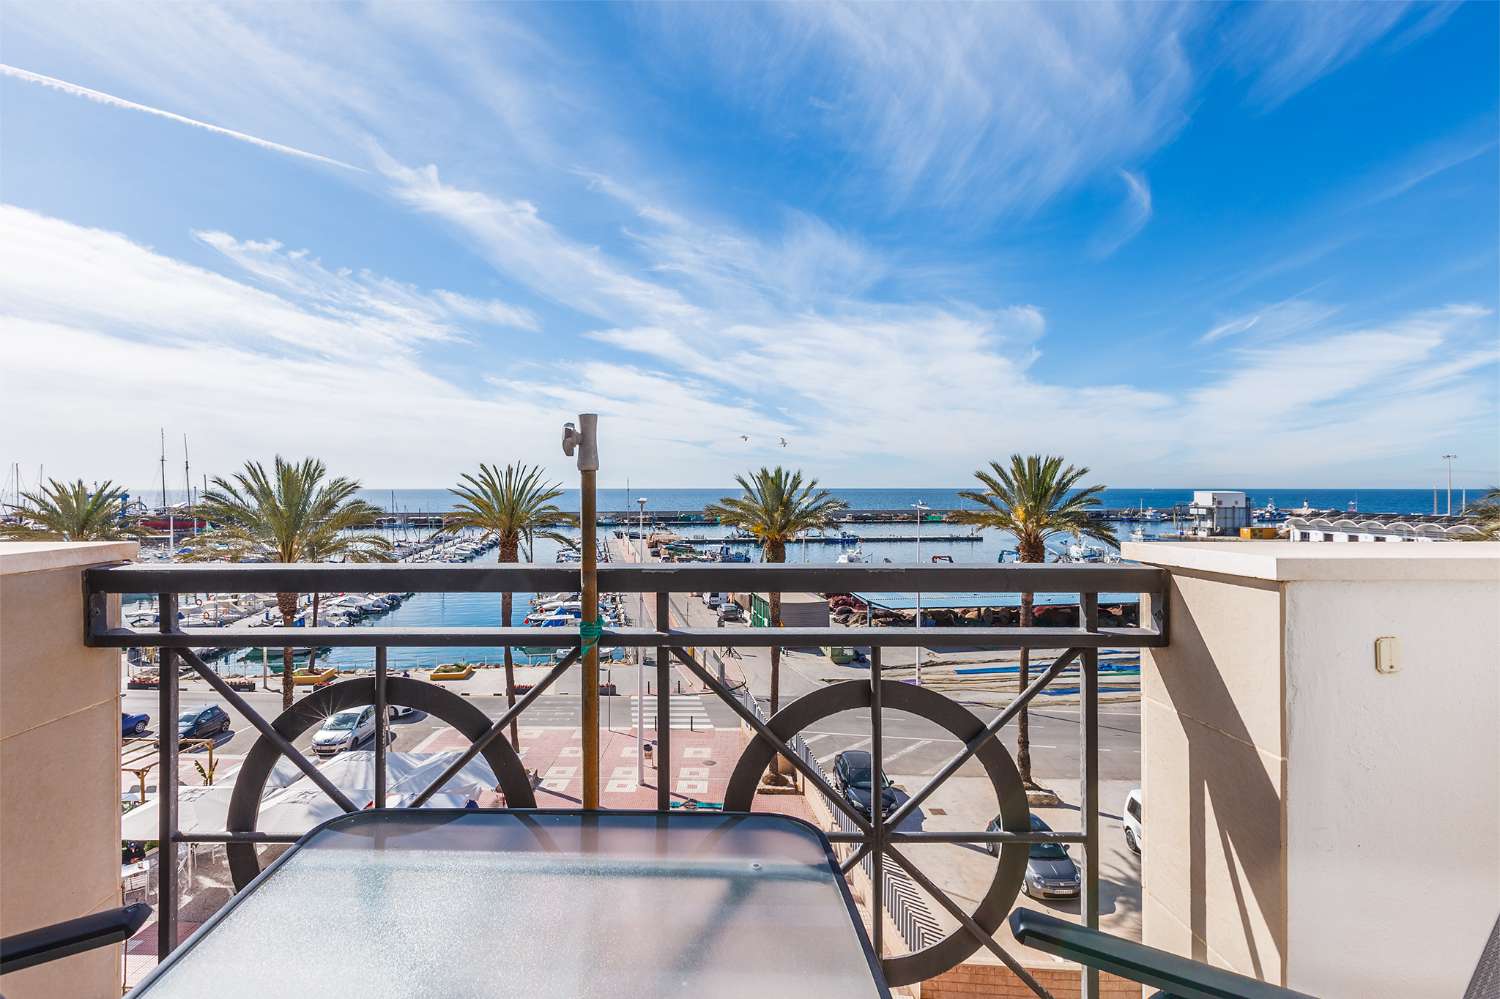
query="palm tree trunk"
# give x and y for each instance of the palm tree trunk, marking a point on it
(509, 552)
(287, 604)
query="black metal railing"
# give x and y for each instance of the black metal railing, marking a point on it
(873, 842)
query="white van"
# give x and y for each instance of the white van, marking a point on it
(713, 601)
(1133, 820)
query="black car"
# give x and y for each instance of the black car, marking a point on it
(1050, 872)
(202, 723)
(851, 776)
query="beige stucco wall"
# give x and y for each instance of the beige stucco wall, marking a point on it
(1309, 820)
(59, 762)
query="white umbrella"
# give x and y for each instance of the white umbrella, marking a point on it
(296, 810)
(475, 778)
(200, 808)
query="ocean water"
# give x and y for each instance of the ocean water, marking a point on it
(429, 610)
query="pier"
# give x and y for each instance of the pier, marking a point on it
(697, 518)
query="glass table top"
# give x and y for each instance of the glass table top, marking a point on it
(398, 903)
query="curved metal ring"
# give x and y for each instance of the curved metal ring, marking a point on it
(442, 704)
(964, 725)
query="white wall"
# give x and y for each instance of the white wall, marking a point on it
(1387, 852)
(1393, 784)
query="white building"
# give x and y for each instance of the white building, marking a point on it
(1217, 512)
(1378, 527)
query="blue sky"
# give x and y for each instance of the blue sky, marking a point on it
(1180, 244)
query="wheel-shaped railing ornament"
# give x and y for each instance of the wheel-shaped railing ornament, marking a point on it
(1015, 817)
(442, 704)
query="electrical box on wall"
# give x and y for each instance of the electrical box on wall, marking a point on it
(1387, 649)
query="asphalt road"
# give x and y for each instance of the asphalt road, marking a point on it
(912, 745)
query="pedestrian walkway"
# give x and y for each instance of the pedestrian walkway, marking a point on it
(688, 712)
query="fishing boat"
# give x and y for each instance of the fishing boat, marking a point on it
(857, 555)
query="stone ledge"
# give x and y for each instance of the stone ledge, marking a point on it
(17, 557)
(1310, 561)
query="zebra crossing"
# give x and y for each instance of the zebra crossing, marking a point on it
(688, 712)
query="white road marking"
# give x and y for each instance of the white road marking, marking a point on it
(902, 752)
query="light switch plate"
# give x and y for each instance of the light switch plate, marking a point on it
(1387, 649)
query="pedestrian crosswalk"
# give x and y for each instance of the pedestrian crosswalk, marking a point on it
(688, 712)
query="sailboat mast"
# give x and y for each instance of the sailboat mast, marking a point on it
(163, 468)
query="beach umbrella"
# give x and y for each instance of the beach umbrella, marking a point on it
(200, 808)
(475, 778)
(296, 810)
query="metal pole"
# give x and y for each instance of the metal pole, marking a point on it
(585, 440)
(1088, 720)
(920, 507)
(166, 740)
(640, 662)
(663, 708)
(877, 809)
(382, 726)
(1449, 459)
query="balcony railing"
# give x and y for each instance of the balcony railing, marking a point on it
(876, 842)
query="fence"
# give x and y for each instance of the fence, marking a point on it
(902, 901)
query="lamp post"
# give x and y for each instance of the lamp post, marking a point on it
(1450, 458)
(921, 508)
(640, 662)
(583, 439)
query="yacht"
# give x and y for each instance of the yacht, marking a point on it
(855, 555)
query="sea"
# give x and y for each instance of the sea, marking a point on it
(438, 610)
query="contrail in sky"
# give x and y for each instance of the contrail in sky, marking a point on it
(119, 102)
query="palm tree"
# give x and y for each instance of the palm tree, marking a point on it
(1035, 498)
(293, 514)
(69, 511)
(1488, 512)
(514, 507)
(775, 506)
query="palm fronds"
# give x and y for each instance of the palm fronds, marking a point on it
(69, 511)
(776, 506)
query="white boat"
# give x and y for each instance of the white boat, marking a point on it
(1137, 535)
(854, 556)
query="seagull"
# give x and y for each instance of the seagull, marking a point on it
(781, 441)
(745, 438)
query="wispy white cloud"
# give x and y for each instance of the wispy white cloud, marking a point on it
(99, 97)
(1285, 47)
(1285, 318)
(984, 108)
(514, 237)
(350, 293)
(1132, 217)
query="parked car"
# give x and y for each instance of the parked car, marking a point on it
(1050, 871)
(731, 612)
(133, 724)
(713, 601)
(344, 730)
(851, 777)
(399, 711)
(202, 723)
(1133, 820)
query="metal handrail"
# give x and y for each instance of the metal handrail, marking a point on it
(1178, 977)
(880, 838)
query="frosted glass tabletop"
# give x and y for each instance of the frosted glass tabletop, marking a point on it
(476, 904)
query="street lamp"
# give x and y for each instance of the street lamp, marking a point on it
(921, 508)
(640, 662)
(1450, 459)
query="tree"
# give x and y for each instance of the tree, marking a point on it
(293, 514)
(1035, 498)
(775, 506)
(514, 507)
(1488, 512)
(69, 511)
